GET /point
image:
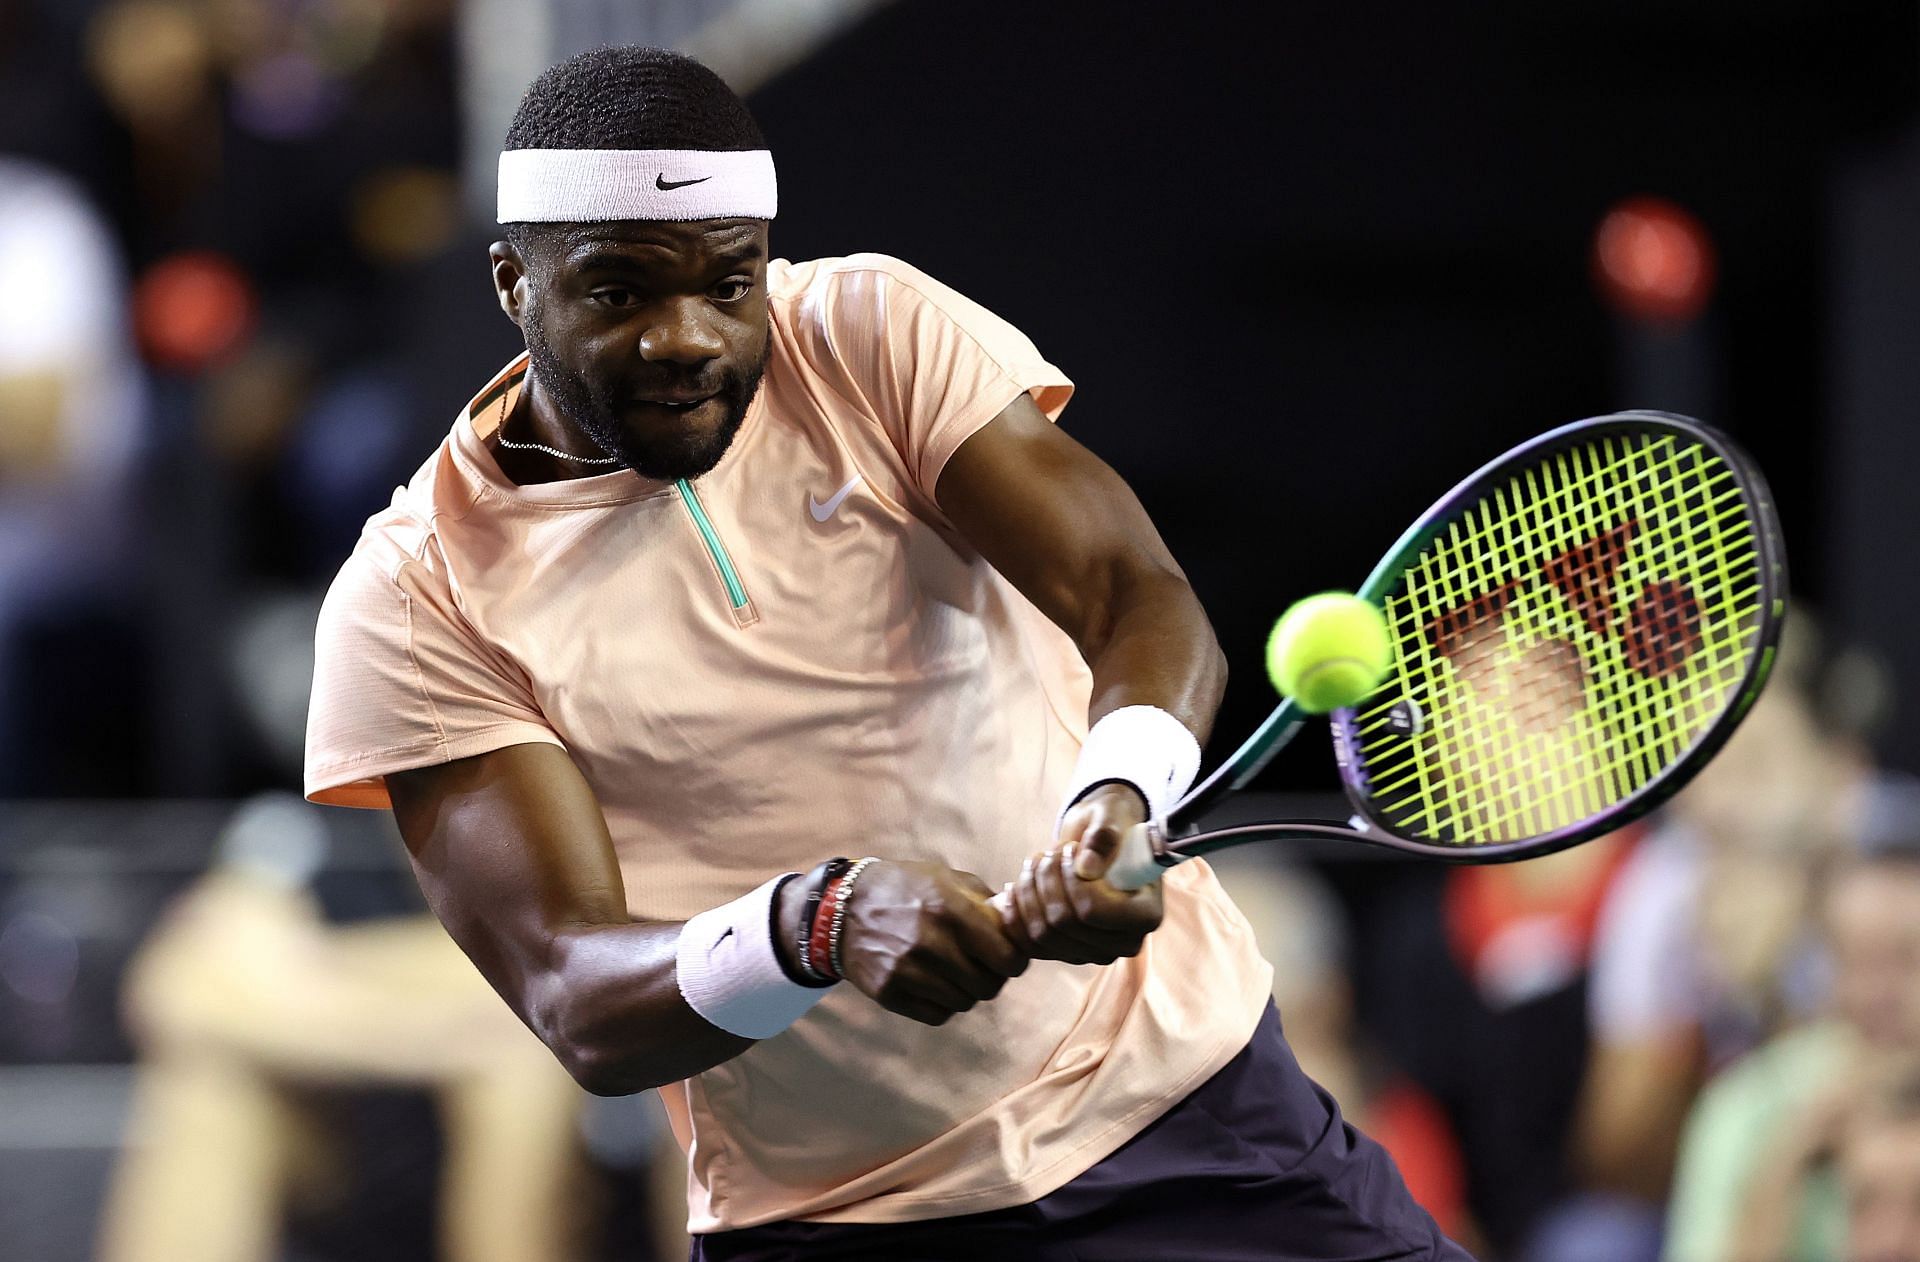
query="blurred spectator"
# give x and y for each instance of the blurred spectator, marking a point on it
(250, 1012)
(71, 413)
(1474, 982)
(1705, 945)
(1756, 1180)
(1880, 1176)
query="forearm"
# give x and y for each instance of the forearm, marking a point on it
(1155, 647)
(610, 1006)
(610, 1009)
(1633, 1108)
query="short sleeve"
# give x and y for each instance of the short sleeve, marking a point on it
(400, 680)
(933, 365)
(1645, 978)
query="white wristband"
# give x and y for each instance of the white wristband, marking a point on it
(729, 974)
(1140, 745)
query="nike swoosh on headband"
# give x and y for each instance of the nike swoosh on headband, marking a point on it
(666, 185)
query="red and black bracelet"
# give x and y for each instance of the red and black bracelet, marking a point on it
(820, 941)
(811, 962)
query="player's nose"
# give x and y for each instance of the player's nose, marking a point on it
(682, 335)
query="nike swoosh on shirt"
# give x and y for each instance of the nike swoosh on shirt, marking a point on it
(823, 511)
(666, 185)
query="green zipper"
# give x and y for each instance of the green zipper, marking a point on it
(736, 593)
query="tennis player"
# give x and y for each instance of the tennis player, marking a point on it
(739, 639)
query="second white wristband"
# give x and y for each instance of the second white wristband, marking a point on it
(1140, 745)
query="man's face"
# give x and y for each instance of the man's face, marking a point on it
(1873, 922)
(650, 338)
(1880, 1171)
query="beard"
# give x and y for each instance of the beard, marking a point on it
(667, 456)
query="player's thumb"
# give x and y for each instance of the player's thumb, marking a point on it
(1094, 853)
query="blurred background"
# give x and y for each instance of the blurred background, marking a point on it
(1308, 269)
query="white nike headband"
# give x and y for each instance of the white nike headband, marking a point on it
(595, 185)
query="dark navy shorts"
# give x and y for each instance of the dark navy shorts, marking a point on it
(1256, 1163)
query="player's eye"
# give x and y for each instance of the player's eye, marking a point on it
(732, 289)
(613, 296)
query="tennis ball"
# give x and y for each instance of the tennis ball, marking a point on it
(1329, 651)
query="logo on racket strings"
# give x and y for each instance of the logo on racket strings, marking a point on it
(1658, 631)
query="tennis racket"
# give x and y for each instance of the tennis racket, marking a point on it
(1578, 628)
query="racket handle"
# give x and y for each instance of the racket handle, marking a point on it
(1138, 862)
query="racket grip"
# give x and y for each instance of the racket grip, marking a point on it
(1138, 862)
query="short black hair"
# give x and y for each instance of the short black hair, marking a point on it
(629, 97)
(633, 97)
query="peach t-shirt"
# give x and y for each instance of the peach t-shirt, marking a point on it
(796, 656)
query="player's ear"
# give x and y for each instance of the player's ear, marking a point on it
(509, 278)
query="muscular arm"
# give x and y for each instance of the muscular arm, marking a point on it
(1066, 531)
(513, 856)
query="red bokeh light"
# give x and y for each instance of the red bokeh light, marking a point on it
(191, 309)
(1654, 261)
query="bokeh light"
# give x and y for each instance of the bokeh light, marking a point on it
(286, 97)
(405, 214)
(152, 60)
(192, 309)
(1654, 261)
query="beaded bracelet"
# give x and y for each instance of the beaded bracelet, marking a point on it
(844, 896)
(822, 876)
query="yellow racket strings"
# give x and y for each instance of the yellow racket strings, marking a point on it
(1563, 642)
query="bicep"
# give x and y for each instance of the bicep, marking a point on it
(1063, 527)
(512, 853)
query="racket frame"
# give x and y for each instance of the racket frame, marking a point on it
(1179, 838)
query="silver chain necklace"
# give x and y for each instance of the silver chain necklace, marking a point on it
(554, 451)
